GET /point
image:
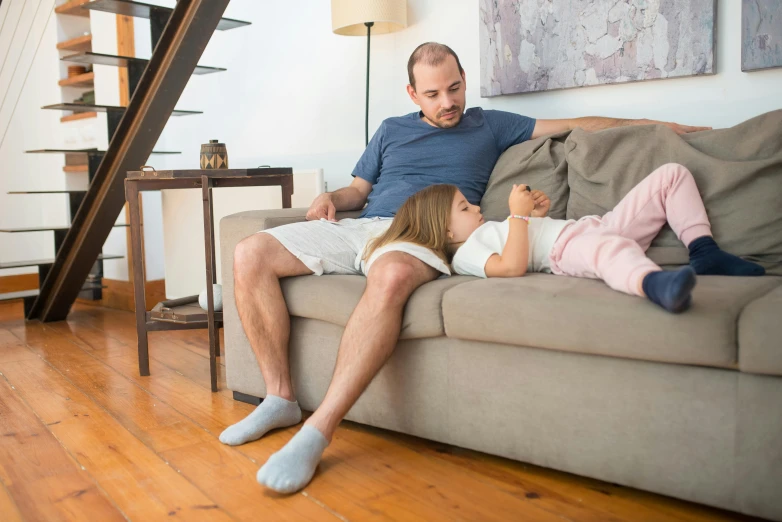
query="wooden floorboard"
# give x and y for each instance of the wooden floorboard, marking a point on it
(92, 436)
(39, 479)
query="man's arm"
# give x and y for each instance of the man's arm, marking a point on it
(352, 197)
(596, 123)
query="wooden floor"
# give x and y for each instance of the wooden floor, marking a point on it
(83, 437)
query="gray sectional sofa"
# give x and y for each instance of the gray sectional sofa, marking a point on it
(565, 372)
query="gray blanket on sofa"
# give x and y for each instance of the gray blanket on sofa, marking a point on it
(738, 172)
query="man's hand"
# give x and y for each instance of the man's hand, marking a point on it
(542, 203)
(678, 129)
(322, 207)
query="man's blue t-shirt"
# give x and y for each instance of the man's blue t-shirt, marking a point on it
(407, 154)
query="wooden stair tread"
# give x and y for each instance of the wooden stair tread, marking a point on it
(81, 107)
(33, 293)
(22, 230)
(80, 80)
(74, 8)
(142, 10)
(37, 262)
(78, 116)
(47, 191)
(18, 295)
(76, 168)
(89, 57)
(83, 151)
(80, 43)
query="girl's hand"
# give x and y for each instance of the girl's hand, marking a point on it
(520, 201)
(542, 203)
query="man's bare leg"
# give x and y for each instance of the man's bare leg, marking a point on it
(370, 337)
(259, 263)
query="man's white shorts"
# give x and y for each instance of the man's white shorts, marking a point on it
(328, 247)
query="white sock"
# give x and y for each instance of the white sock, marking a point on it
(291, 468)
(273, 412)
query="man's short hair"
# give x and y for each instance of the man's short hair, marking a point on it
(432, 54)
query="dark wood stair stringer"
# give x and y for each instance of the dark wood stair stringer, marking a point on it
(174, 58)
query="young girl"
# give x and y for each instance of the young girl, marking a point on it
(611, 247)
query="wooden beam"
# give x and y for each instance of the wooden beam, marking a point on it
(126, 46)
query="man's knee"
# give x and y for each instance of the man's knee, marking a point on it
(397, 276)
(253, 254)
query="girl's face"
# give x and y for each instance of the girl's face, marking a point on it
(465, 219)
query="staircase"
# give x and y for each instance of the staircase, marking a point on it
(178, 36)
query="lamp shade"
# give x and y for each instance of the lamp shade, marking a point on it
(349, 16)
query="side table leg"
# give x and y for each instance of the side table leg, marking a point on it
(287, 191)
(209, 250)
(132, 196)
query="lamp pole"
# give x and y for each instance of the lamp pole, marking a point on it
(366, 113)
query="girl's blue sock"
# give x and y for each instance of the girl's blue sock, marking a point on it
(707, 259)
(671, 290)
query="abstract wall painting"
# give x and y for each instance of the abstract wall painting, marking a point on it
(761, 34)
(541, 45)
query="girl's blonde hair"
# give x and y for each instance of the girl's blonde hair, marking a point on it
(423, 220)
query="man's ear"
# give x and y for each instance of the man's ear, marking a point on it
(413, 96)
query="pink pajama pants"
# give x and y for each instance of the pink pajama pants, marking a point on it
(612, 247)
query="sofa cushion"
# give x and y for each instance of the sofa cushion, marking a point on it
(738, 172)
(332, 298)
(539, 163)
(760, 335)
(586, 316)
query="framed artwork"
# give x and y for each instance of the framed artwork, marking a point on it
(541, 45)
(761, 34)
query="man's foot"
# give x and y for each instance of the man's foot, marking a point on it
(708, 259)
(273, 412)
(671, 290)
(292, 468)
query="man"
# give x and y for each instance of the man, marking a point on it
(440, 144)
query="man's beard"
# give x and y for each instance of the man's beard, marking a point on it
(447, 124)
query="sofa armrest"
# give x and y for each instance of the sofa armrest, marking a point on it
(265, 219)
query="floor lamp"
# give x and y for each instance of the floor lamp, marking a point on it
(360, 17)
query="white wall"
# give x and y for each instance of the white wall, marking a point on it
(293, 94)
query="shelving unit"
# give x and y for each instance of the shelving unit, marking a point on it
(87, 160)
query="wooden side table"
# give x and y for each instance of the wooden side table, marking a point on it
(184, 313)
